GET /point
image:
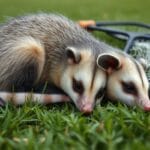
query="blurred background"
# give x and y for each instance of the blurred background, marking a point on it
(133, 10)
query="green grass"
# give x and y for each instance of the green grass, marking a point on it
(62, 126)
(113, 127)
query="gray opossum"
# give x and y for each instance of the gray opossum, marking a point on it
(50, 48)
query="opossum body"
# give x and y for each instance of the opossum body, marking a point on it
(50, 48)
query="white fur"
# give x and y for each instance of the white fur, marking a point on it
(128, 73)
(83, 72)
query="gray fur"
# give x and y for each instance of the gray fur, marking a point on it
(55, 33)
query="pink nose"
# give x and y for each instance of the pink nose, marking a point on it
(87, 109)
(146, 105)
(147, 108)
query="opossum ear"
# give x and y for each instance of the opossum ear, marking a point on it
(108, 62)
(73, 56)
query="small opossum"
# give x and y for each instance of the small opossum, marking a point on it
(127, 81)
(50, 48)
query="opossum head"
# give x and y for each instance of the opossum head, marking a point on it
(82, 80)
(127, 81)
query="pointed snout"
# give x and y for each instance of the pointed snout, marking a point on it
(85, 104)
(147, 106)
(144, 104)
(87, 109)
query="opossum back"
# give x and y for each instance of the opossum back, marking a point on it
(52, 29)
(22, 63)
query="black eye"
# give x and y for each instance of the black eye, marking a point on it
(77, 86)
(100, 93)
(129, 88)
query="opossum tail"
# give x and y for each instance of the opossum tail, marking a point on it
(21, 98)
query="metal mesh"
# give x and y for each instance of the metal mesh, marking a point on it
(141, 49)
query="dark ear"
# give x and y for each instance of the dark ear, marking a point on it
(108, 62)
(73, 56)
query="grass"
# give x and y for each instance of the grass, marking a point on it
(111, 126)
(62, 126)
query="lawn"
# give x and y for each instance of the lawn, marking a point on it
(62, 126)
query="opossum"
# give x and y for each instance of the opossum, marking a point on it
(42, 47)
(127, 81)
